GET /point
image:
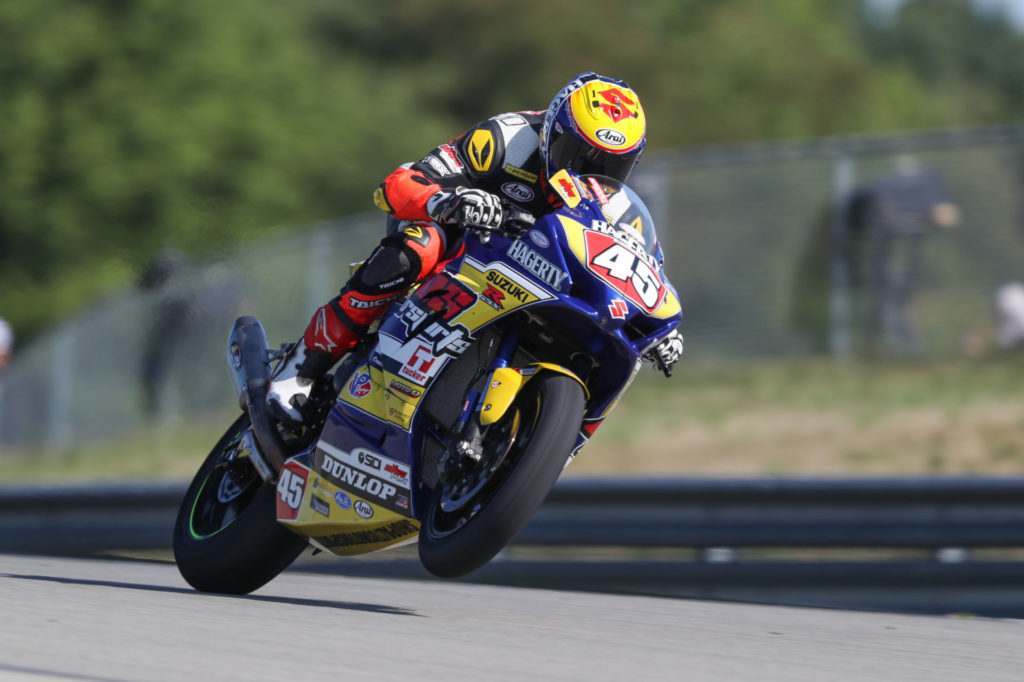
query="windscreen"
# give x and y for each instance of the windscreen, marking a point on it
(623, 208)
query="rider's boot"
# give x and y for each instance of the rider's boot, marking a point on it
(402, 258)
(333, 331)
(293, 380)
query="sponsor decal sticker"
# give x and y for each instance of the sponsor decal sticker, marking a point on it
(536, 264)
(342, 499)
(493, 297)
(375, 464)
(446, 295)
(392, 531)
(236, 355)
(618, 309)
(517, 172)
(517, 191)
(614, 99)
(360, 385)
(625, 234)
(393, 283)
(599, 193)
(395, 471)
(439, 166)
(363, 509)
(320, 506)
(431, 337)
(365, 473)
(442, 336)
(568, 188)
(400, 417)
(291, 485)
(368, 460)
(347, 476)
(539, 238)
(611, 137)
(451, 158)
(488, 273)
(418, 366)
(508, 286)
(363, 304)
(624, 269)
(405, 389)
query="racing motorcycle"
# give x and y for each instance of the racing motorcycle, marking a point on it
(449, 424)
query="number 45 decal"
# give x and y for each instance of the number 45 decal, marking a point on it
(290, 487)
(624, 270)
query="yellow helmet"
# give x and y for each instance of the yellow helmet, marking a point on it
(595, 125)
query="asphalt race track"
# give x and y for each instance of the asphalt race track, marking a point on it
(65, 619)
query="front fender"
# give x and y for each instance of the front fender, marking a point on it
(506, 382)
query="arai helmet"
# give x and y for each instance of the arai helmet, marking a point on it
(595, 125)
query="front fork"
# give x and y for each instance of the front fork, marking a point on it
(464, 445)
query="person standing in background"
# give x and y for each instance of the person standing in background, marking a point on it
(173, 319)
(6, 347)
(888, 221)
(6, 342)
(1009, 316)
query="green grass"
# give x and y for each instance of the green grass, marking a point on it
(806, 417)
(171, 451)
(820, 416)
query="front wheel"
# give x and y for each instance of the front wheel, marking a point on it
(226, 536)
(471, 518)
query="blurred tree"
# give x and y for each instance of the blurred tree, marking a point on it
(951, 46)
(132, 125)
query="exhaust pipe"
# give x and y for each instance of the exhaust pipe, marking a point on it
(248, 361)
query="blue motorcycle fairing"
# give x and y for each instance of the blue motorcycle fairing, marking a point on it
(422, 334)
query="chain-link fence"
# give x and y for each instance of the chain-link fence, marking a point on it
(775, 252)
(157, 353)
(769, 254)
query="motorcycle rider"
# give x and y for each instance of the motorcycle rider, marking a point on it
(595, 124)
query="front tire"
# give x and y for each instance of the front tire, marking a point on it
(226, 537)
(535, 437)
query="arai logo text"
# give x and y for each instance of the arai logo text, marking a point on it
(363, 509)
(610, 137)
(517, 191)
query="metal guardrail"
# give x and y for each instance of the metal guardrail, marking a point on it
(931, 529)
(919, 512)
(82, 520)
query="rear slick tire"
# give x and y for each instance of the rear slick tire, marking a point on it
(549, 411)
(226, 536)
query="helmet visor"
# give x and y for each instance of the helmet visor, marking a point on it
(568, 151)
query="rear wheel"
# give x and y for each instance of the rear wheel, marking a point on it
(475, 513)
(226, 538)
